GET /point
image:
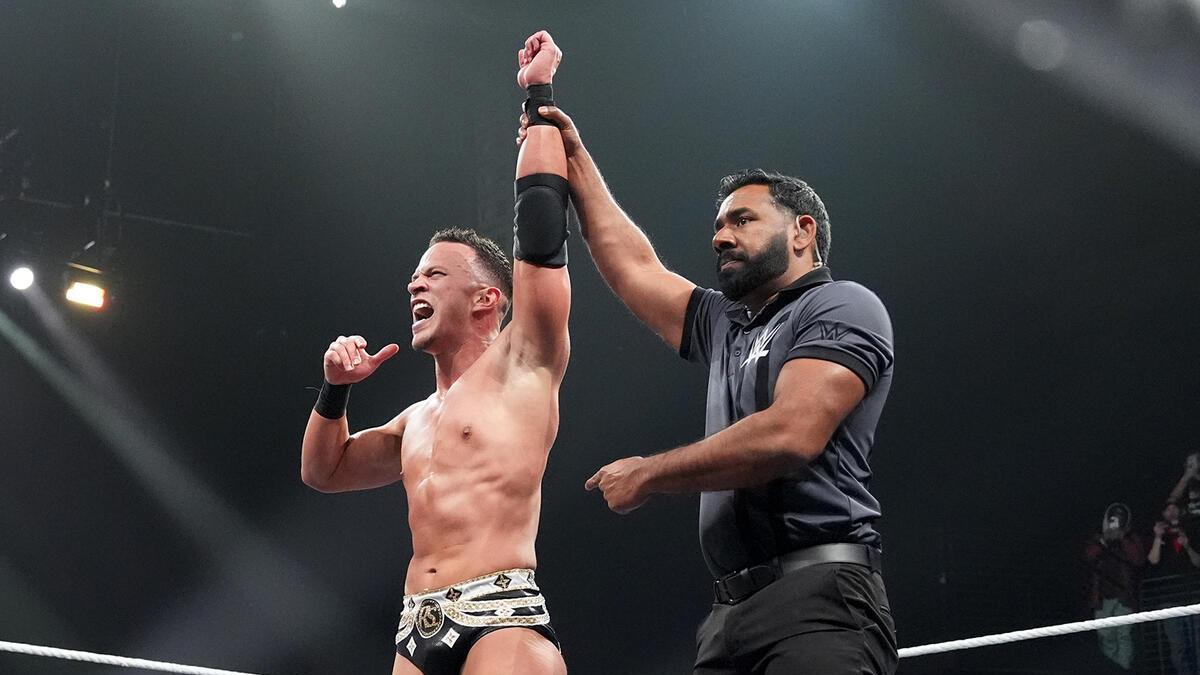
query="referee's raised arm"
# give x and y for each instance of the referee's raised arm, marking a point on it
(623, 254)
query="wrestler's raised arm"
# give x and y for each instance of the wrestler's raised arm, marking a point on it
(541, 285)
(623, 254)
(331, 460)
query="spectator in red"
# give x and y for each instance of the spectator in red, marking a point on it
(1115, 557)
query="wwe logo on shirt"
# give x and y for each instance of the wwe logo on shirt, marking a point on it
(833, 331)
(762, 344)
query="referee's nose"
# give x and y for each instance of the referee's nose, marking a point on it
(723, 239)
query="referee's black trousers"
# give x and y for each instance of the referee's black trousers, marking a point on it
(831, 619)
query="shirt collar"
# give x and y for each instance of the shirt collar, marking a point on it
(740, 314)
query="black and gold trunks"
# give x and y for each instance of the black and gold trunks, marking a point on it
(438, 627)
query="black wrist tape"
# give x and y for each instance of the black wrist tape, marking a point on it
(539, 95)
(331, 402)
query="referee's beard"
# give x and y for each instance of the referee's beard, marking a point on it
(755, 270)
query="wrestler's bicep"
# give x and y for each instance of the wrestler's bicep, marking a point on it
(541, 308)
(372, 457)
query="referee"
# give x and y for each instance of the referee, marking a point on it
(799, 369)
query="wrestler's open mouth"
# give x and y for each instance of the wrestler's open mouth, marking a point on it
(421, 311)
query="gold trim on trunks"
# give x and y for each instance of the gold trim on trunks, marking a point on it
(483, 621)
(427, 610)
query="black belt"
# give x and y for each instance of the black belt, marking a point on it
(734, 588)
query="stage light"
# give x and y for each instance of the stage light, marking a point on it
(89, 278)
(19, 257)
(21, 278)
(88, 295)
(339, 3)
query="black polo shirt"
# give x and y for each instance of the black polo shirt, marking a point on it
(828, 500)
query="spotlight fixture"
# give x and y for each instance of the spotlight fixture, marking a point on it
(90, 278)
(339, 3)
(86, 294)
(19, 257)
(21, 278)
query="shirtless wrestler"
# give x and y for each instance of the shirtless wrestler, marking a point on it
(471, 456)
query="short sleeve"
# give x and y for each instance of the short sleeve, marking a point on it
(847, 324)
(706, 308)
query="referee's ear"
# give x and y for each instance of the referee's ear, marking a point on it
(804, 234)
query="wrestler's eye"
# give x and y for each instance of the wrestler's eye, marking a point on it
(742, 221)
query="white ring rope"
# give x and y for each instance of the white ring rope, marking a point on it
(1048, 631)
(108, 660)
(922, 650)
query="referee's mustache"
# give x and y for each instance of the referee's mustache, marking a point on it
(731, 254)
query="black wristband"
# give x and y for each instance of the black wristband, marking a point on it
(539, 95)
(331, 402)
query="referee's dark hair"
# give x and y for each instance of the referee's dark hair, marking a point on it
(496, 267)
(788, 193)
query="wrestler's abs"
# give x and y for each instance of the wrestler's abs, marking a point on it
(473, 465)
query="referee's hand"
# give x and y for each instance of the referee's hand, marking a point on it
(566, 126)
(623, 484)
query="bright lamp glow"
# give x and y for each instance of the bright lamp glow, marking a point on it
(339, 3)
(86, 294)
(21, 278)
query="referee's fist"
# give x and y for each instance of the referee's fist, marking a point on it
(623, 484)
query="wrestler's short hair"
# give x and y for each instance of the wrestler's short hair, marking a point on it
(787, 192)
(496, 268)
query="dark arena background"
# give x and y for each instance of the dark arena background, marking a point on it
(1018, 181)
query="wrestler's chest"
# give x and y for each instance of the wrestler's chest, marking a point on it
(456, 432)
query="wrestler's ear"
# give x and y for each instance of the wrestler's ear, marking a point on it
(488, 297)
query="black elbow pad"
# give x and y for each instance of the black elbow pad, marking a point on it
(540, 224)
